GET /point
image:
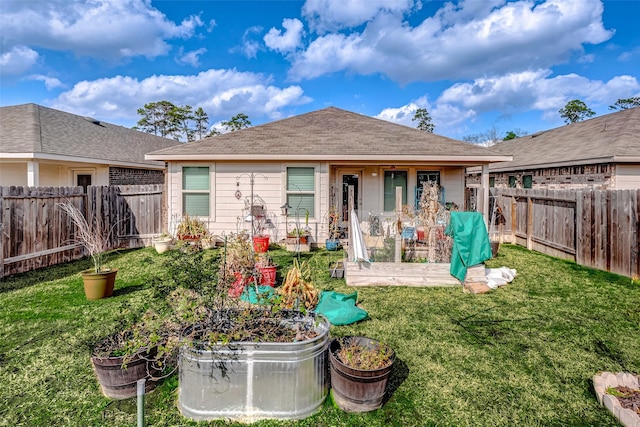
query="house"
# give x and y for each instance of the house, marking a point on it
(600, 153)
(40, 146)
(312, 163)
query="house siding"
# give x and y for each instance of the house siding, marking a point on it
(627, 177)
(226, 211)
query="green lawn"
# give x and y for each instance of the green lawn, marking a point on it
(521, 355)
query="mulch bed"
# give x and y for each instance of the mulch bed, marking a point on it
(630, 400)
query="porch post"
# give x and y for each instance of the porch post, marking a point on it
(484, 202)
(33, 174)
(398, 254)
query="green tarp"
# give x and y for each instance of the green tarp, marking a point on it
(340, 309)
(471, 244)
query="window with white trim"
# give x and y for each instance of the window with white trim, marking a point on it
(301, 190)
(195, 191)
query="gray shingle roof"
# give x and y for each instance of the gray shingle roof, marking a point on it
(610, 138)
(31, 128)
(328, 134)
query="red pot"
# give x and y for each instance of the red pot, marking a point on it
(267, 275)
(261, 243)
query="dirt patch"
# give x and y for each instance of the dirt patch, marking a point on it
(629, 398)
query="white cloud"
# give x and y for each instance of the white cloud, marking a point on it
(96, 28)
(190, 58)
(627, 56)
(17, 60)
(250, 46)
(331, 15)
(287, 42)
(221, 93)
(512, 94)
(49, 82)
(460, 41)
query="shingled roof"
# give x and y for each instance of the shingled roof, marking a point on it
(330, 134)
(610, 138)
(41, 132)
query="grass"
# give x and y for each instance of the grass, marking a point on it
(521, 355)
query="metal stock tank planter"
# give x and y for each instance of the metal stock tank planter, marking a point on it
(247, 381)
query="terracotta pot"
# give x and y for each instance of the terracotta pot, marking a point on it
(99, 285)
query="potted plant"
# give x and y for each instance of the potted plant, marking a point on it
(299, 234)
(118, 371)
(191, 229)
(239, 263)
(360, 369)
(266, 269)
(162, 243)
(94, 237)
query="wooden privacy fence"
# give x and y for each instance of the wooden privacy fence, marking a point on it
(35, 233)
(595, 228)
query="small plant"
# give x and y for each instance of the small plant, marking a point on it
(297, 232)
(190, 227)
(94, 236)
(358, 356)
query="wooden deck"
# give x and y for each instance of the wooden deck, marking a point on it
(407, 274)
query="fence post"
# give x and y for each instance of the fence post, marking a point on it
(1, 236)
(529, 222)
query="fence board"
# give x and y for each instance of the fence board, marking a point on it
(597, 228)
(35, 233)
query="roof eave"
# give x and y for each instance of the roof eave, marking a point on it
(324, 157)
(73, 159)
(590, 161)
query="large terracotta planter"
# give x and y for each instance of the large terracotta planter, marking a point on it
(99, 285)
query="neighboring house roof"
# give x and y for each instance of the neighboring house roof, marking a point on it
(330, 134)
(35, 132)
(612, 138)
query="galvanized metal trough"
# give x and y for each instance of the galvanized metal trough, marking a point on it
(247, 382)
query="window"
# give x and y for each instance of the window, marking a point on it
(195, 191)
(393, 179)
(512, 181)
(527, 181)
(301, 187)
(426, 176)
(492, 181)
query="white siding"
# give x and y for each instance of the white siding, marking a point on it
(13, 174)
(627, 177)
(452, 179)
(269, 180)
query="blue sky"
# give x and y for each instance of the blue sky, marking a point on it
(474, 65)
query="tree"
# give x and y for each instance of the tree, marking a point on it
(237, 122)
(488, 138)
(201, 120)
(513, 134)
(575, 111)
(625, 104)
(180, 122)
(424, 120)
(157, 119)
